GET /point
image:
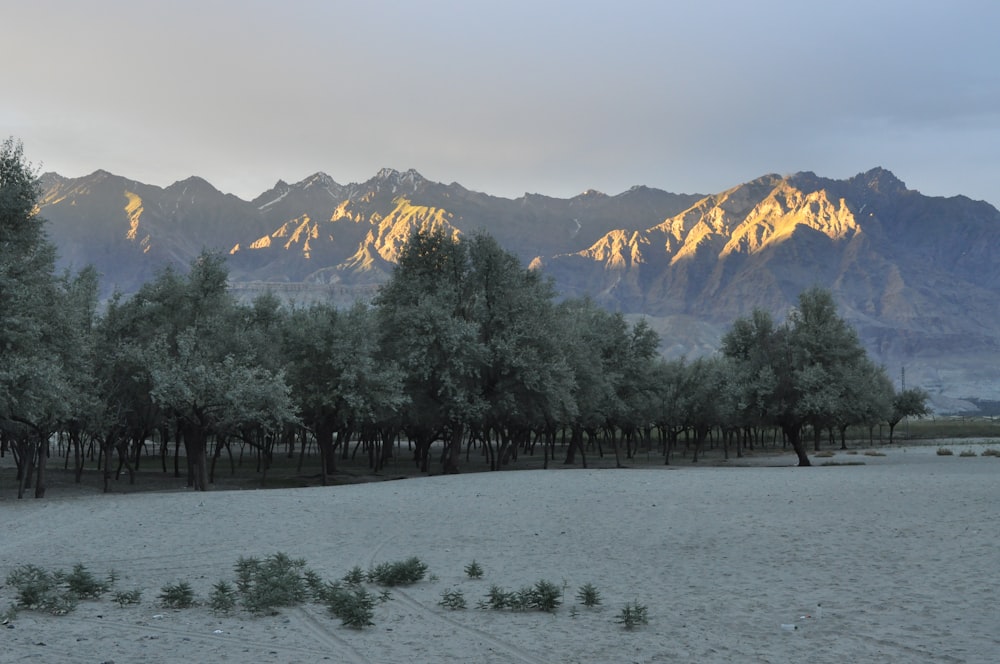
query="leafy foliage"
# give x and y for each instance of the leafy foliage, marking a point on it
(453, 600)
(178, 595)
(588, 595)
(400, 573)
(632, 615)
(474, 570)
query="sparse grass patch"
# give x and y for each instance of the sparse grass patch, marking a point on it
(824, 454)
(991, 452)
(874, 453)
(944, 451)
(968, 453)
(842, 463)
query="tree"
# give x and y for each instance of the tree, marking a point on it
(906, 403)
(35, 389)
(801, 373)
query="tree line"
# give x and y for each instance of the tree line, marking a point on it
(463, 346)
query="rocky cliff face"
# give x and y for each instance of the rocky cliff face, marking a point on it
(918, 276)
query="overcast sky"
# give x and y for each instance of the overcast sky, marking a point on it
(508, 97)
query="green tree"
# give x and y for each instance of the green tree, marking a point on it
(799, 373)
(911, 402)
(36, 329)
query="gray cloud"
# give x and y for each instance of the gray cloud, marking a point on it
(552, 97)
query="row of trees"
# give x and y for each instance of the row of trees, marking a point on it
(462, 345)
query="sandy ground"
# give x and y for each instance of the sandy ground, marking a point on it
(902, 552)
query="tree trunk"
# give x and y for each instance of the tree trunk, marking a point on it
(454, 450)
(794, 436)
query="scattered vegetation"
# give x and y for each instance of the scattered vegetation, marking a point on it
(278, 580)
(41, 590)
(991, 452)
(874, 453)
(944, 451)
(968, 453)
(632, 615)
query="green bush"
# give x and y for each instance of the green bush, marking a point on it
(588, 595)
(401, 573)
(356, 576)
(545, 596)
(496, 599)
(223, 598)
(127, 597)
(633, 615)
(277, 581)
(177, 595)
(474, 570)
(41, 590)
(83, 584)
(354, 605)
(453, 599)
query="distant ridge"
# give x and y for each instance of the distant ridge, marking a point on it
(918, 276)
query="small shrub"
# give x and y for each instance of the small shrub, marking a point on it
(497, 599)
(968, 453)
(41, 590)
(177, 595)
(127, 597)
(83, 584)
(545, 596)
(474, 570)
(356, 576)
(991, 452)
(223, 598)
(632, 615)
(401, 573)
(453, 600)
(520, 600)
(276, 581)
(944, 451)
(354, 605)
(588, 595)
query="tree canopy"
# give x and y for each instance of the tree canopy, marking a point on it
(463, 347)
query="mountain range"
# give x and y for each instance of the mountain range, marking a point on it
(917, 276)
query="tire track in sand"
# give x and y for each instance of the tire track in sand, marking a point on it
(338, 646)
